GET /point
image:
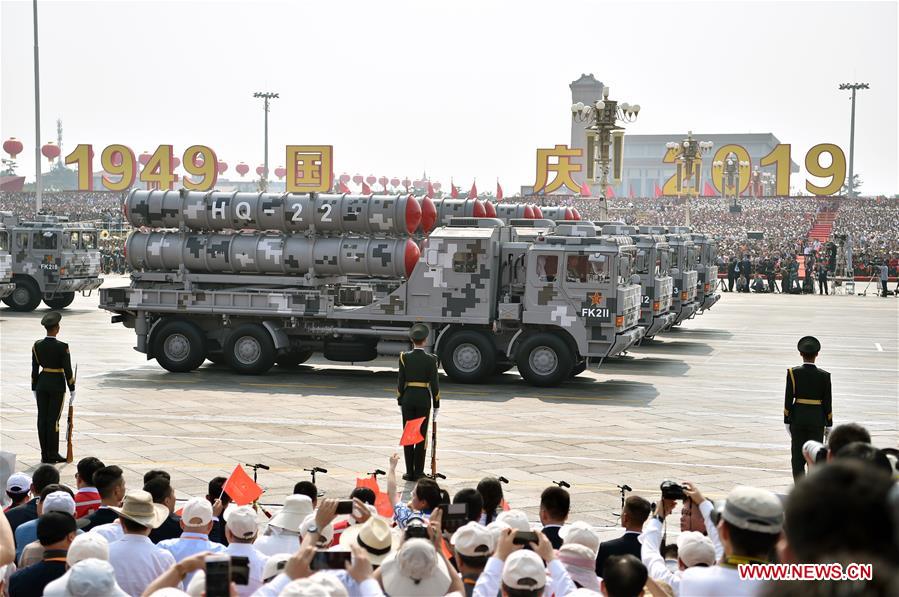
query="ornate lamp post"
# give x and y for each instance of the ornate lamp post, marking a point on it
(603, 117)
(730, 169)
(689, 164)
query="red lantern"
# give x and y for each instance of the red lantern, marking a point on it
(242, 169)
(420, 184)
(371, 179)
(144, 158)
(344, 178)
(222, 166)
(13, 147)
(260, 169)
(383, 181)
(407, 183)
(358, 179)
(280, 172)
(50, 151)
(394, 182)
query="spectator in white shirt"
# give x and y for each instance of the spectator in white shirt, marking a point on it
(283, 531)
(524, 573)
(137, 562)
(241, 531)
(196, 522)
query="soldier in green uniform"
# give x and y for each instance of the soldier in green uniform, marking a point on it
(51, 373)
(417, 390)
(808, 412)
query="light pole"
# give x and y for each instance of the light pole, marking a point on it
(37, 118)
(266, 96)
(690, 160)
(730, 178)
(603, 116)
(850, 192)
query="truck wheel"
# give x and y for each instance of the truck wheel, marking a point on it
(293, 358)
(60, 300)
(250, 350)
(578, 369)
(179, 346)
(468, 357)
(26, 296)
(544, 360)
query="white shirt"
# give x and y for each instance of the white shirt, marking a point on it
(137, 563)
(367, 588)
(717, 581)
(257, 564)
(111, 531)
(277, 540)
(189, 544)
(490, 580)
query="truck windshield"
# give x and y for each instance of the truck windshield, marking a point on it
(74, 239)
(625, 268)
(642, 262)
(4, 242)
(45, 241)
(675, 258)
(89, 240)
(664, 263)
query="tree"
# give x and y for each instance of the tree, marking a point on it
(857, 183)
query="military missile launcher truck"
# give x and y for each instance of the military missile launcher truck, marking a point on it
(52, 259)
(6, 283)
(683, 269)
(279, 291)
(707, 267)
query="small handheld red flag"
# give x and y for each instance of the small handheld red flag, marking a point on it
(382, 501)
(242, 489)
(411, 433)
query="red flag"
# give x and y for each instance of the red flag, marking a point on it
(708, 190)
(242, 489)
(366, 190)
(382, 500)
(505, 505)
(473, 193)
(630, 191)
(342, 188)
(430, 192)
(411, 433)
(585, 190)
(658, 190)
(610, 192)
(454, 192)
(499, 191)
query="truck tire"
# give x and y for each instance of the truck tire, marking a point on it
(544, 360)
(293, 358)
(468, 357)
(578, 369)
(179, 346)
(26, 296)
(60, 300)
(249, 350)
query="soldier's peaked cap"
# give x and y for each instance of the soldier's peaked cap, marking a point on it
(809, 345)
(418, 332)
(50, 319)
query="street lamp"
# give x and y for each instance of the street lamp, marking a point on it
(266, 96)
(689, 165)
(850, 192)
(730, 169)
(603, 117)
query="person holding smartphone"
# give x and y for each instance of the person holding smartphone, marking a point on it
(524, 572)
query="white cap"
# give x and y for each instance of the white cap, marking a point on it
(524, 570)
(296, 508)
(473, 540)
(754, 509)
(496, 528)
(320, 584)
(274, 565)
(695, 548)
(516, 519)
(242, 522)
(87, 545)
(197, 512)
(58, 501)
(197, 585)
(580, 533)
(326, 535)
(18, 483)
(85, 579)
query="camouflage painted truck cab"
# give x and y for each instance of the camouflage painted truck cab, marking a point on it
(707, 267)
(267, 298)
(6, 283)
(52, 259)
(683, 259)
(652, 265)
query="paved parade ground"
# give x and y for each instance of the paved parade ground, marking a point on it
(702, 403)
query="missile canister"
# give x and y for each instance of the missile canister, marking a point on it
(267, 253)
(428, 214)
(559, 213)
(458, 208)
(328, 214)
(517, 211)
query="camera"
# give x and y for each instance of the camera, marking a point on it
(672, 491)
(416, 528)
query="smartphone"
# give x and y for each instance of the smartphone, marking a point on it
(218, 575)
(240, 570)
(345, 507)
(330, 560)
(525, 537)
(455, 516)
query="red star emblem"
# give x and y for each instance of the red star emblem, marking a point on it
(595, 298)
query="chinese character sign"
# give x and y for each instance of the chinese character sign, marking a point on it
(557, 161)
(309, 168)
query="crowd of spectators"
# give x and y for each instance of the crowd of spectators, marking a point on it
(104, 536)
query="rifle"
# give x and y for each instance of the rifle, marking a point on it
(434, 448)
(70, 425)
